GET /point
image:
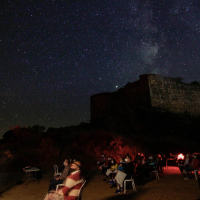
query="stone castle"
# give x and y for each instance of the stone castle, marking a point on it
(151, 91)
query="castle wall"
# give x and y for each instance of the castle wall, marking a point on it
(171, 95)
(150, 91)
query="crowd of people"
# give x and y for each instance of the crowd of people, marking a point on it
(116, 172)
(72, 181)
(127, 168)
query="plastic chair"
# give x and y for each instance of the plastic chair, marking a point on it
(56, 173)
(156, 174)
(59, 185)
(79, 193)
(196, 174)
(132, 182)
(81, 190)
(155, 171)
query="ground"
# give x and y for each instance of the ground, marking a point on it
(170, 186)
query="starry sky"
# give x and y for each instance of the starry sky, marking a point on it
(55, 54)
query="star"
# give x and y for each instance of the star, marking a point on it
(56, 54)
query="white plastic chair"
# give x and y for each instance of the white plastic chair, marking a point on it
(132, 183)
(79, 193)
(56, 173)
(156, 174)
(59, 185)
(196, 174)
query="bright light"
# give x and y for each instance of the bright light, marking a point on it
(181, 156)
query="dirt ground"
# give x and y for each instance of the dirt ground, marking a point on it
(170, 186)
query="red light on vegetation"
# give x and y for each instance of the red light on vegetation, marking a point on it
(181, 156)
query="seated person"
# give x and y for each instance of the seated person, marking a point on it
(137, 157)
(126, 174)
(150, 165)
(72, 185)
(140, 170)
(122, 161)
(63, 167)
(138, 162)
(119, 168)
(186, 163)
(138, 165)
(101, 161)
(194, 164)
(112, 169)
(107, 165)
(70, 161)
(59, 180)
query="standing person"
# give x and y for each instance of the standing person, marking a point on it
(72, 185)
(59, 180)
(159, 163)
(164, 159)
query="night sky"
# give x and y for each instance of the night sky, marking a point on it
(55, 54)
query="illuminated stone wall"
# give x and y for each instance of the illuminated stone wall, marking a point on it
(173, 95)
(150, 91)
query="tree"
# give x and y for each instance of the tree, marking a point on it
(37, 129)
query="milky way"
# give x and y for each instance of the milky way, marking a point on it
(56, 54)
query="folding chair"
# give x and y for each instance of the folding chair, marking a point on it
(56, 173)
(132, 183)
